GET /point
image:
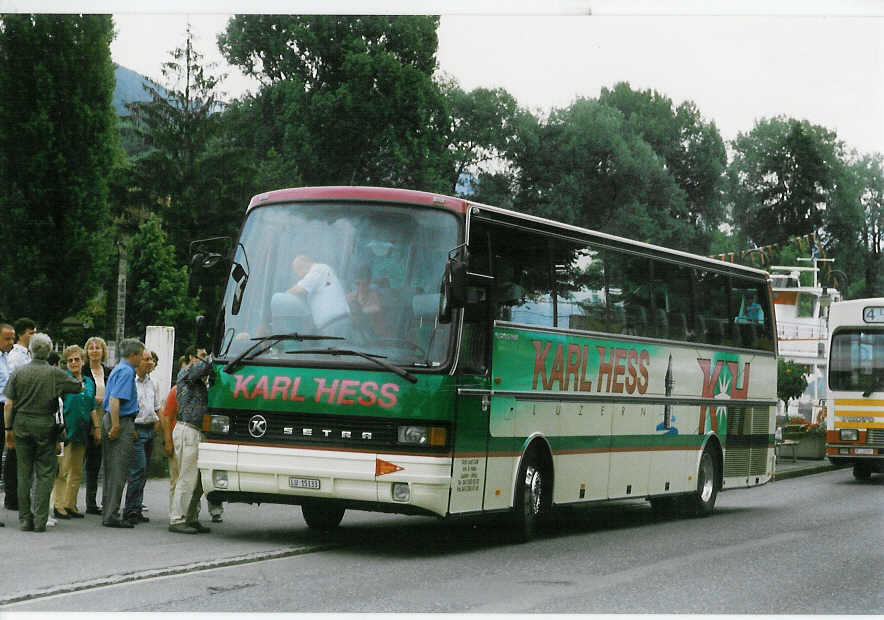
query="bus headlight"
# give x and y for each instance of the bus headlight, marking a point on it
(415, 435)
(401, 492)
(219, 424)
(849, 434)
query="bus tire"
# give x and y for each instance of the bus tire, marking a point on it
(322, 516)
(531, 503)
(862, 471)
(701, 502)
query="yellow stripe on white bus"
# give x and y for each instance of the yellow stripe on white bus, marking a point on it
(866, 413)
(839, 424)
(856, 402)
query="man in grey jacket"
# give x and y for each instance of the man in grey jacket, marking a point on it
(29, 416)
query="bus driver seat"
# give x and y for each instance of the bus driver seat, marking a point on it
(289, 313)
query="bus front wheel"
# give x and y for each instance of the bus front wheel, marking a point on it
(862, 471)
(701, 502)
(322, 516)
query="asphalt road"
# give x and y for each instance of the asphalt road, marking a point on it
(813, 544)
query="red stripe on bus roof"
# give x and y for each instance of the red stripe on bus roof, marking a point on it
(374, 194)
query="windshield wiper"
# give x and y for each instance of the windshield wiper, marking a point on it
(377, 359)
(256, 349)
(875, 387)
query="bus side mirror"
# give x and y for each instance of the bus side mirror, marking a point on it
(239, 275)
(454, 289)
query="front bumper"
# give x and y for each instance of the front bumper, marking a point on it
(258, 473)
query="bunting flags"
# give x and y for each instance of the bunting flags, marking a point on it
(761, 256)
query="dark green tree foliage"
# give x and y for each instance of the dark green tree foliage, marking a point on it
(691, 148)
(351, 98)
(583, 166)
(782, 178)
(157, 283)
(185, 167)
(791, 380)
(58, 137)
(483, 127)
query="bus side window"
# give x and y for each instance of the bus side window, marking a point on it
(629, 276)
(522, 284)
(580, 287)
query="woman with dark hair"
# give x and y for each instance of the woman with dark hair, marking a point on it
(97, 370)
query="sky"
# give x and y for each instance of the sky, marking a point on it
(739, 62)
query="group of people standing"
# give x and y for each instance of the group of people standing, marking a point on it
(111, 417)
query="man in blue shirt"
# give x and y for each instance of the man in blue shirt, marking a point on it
(121, 408)
(7, 340)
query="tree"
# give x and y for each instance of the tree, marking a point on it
(584, 167)
(791, 380)
(158, 292)
(782, 177)
(854, 224)
(351, 99)
(58, 137)
(691, 147)
(483, 128)
(184, 167)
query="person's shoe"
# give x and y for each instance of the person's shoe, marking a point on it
(183, 528)
(93, 510)
(199, 527)
(59, 514)
(73, 514)
(27, 526)
(39, 528)
(122, 523)
(216, 519)
(11, 506)
(2, 524)
(50, 522)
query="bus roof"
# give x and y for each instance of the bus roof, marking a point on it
(461, 205)
(369, 194)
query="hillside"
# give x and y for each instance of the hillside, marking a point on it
(129, 88)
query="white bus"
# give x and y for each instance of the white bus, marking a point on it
(855, 404)
(562, 366)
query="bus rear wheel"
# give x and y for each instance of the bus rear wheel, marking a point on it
(322, 516)
(531, 498)
(701, 502)
(862, 471)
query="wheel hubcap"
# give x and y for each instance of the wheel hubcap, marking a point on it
(706, 481)
(534, 483)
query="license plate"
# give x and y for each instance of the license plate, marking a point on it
(864, 451)
(303, 483)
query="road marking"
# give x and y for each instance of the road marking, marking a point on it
(193, 567)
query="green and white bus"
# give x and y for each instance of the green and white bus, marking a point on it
(490, 362)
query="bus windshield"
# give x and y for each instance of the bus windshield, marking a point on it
(857, 360)
(366, 276)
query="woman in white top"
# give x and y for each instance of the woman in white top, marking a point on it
(96, 369)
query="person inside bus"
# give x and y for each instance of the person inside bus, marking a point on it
(318, 284)
(754, 311)
(365, 303)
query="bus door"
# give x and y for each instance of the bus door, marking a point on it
(472, 416)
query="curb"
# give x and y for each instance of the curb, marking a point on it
(806, 471)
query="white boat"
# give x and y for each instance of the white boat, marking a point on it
(802, 331)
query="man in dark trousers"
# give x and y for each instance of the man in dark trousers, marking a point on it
(29, 415)
(19, 356)
(118, 431)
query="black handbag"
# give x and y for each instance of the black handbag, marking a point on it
(58, 428)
